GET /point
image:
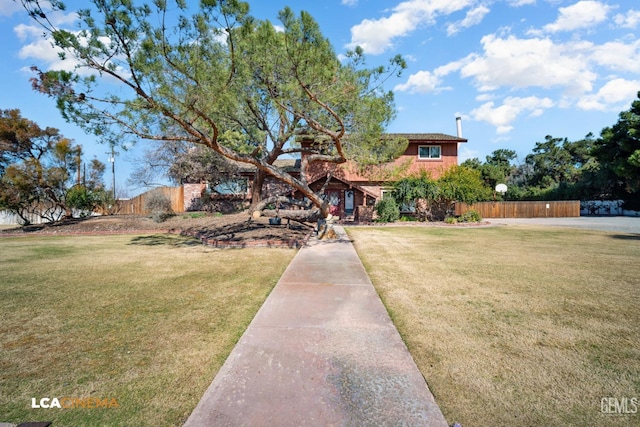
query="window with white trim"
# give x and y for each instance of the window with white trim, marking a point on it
(429, 152)
(384, 193)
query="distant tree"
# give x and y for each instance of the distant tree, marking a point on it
(618, 154)
(41, 173)
(497, 169)
(559, 169)
(226, 80)
(551, 161)
(502, 160)
(22, 139)
(182, 163)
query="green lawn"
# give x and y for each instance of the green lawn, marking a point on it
(144, 320)
(515, 326)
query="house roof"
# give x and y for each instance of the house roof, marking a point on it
(427, 137)
(349, 183)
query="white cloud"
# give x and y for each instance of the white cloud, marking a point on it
(8, 8)
(377, 35)
(421, 82)
(41, 49)
(427, 81)
(631, 19)
(615, 95)
(349, 2)
(584, 14)
(474, 17)
(503, 115)
(466, 154)
(618, 56)
(43, 52)
(518, 3)
(484, 97)
(535, 62)
(24, 32)
(60, 18)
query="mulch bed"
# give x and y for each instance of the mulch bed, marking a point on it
(226, 231)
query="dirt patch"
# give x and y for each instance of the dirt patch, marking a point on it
(229, 230)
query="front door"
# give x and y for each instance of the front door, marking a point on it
(348, 202)
(334, 202)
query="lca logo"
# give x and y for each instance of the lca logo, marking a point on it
(73, 402)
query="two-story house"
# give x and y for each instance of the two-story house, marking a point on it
(351, 186)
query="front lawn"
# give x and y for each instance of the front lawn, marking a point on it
(146, 321)
(515, 326)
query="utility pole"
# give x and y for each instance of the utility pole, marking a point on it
(112, 160)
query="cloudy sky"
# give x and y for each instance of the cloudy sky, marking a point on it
(514, 70)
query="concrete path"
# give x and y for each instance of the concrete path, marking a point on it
(322, 351)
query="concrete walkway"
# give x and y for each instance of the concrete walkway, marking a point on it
(321, 351)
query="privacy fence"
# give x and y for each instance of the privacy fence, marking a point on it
(542, 209)
(136, 205)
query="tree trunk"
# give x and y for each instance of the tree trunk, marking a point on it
(300, 215)
(307, 212)
(256, 189)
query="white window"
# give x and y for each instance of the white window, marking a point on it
(429, 152)
(386, 193)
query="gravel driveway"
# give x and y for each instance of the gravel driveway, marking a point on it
(619, 224)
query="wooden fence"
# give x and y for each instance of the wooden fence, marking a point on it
(570, 208)
(136, 205)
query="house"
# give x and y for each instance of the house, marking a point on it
(352, 189)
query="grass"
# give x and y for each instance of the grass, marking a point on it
(144, 320)
(514, 325)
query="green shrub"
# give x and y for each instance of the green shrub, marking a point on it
(451, 220)
(471, 216)
(388, 210)
(81, 199)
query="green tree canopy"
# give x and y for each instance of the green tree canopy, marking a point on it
(497, 169)
(618, 153)
(223, 79)
(41, 173)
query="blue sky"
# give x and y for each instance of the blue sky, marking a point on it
(514, 70)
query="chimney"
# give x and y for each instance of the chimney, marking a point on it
(459, 126)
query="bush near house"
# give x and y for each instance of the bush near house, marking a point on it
(434, 200)
(388, 210)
